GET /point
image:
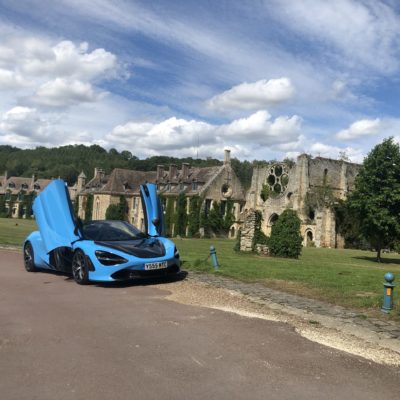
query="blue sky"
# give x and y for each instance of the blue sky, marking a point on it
(267, 79)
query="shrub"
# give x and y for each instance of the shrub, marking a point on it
(285, 239)
(118, 211)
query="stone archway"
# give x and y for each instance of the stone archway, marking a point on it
(272, 219)
(309, 238)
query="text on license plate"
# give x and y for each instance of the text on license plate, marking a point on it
(155, 265)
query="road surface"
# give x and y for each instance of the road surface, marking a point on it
(59, 340)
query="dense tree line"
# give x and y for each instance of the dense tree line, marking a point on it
(68, 161)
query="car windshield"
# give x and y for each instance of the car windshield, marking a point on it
(111, 231)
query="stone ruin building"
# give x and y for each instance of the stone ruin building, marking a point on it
(310, 186)
(213, 184)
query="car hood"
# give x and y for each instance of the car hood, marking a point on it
(142, 248)
(54, 216)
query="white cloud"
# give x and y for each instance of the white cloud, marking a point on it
(334, 152)
(256, 95)
(261, 129)
(179, 136)
(65, 59)
(363, 33)
(11, 80)
(169, 135)
(23, 126)
(361, 128)
(64, 92)
(49, 74)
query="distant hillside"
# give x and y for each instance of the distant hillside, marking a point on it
(68, 161)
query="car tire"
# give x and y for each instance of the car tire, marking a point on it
(80, 270)
(29, 259)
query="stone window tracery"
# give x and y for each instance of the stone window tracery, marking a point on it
(278, 179)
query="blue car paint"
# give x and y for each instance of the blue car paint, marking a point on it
(54, 216)
(53, 205)
(154, 216)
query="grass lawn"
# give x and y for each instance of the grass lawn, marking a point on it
(350, 278)
(14, 231)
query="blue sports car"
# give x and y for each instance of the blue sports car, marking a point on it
(101, 251)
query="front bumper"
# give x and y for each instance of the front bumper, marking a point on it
(127, 274)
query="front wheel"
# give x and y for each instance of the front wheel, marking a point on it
(80, 271)
(29, 259)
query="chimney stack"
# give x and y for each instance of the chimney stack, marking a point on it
(227, 157)
(172, 172)
(160, 172)
(185, 170)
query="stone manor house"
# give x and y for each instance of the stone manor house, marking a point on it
(311, 186)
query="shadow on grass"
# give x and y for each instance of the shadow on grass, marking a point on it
(384, 260)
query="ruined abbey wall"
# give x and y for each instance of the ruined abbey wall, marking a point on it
(310, 186)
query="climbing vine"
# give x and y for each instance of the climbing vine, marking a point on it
(259, 236)
(76, 205)
(264, 192)
(3, 209)
(194, 215)
(26, 208)
(180, 215)
(89, 207)
(169, 215)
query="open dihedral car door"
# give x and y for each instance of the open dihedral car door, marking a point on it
(152, 210)
(54, 216)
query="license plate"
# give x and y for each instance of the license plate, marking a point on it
(155, 265)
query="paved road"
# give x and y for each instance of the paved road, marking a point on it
(62, 341)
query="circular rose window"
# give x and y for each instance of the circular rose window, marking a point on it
(276, 182)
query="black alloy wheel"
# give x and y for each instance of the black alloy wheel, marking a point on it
(80, 271)
(29, 260)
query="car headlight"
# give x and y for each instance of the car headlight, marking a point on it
(176, 253)
(107, 258)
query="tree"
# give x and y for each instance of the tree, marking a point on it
(375, 200)
(285, 239)
(117, 211)
(113, 212)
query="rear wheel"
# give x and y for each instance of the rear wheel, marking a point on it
(80, 270)
(29, 259)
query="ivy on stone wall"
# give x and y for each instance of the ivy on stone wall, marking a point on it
(27, 205)
(264, 192)
(236, 247)
(89, 207)
(3, 209)
(219, 219)
(76, 205)
(229, 218)
(194, 215)
(259, 236)
(180, 215)
(319, 197)
(170, 215)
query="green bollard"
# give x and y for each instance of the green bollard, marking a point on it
(214, 259)
(388, 288)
